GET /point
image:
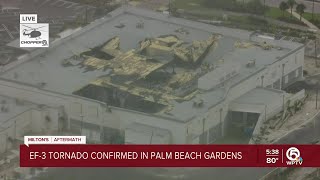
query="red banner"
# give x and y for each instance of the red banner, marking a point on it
(170, 156)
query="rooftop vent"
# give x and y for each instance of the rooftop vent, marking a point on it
(140, 25)
(42, 84)
(120, 26)
(221, 61)
(19, 102)
(251, 63)
(266, 46)
(198, 103)
(15, 75)
(47, 118)
(4, 108)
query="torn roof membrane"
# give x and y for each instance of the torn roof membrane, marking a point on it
(127, 63)
(152, 95)
(130, 69)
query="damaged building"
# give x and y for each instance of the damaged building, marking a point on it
(146, 79)
(135, 77)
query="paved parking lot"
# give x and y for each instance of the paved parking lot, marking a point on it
(57, 13)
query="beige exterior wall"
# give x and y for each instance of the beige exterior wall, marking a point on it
(31, 121)
(176, 128)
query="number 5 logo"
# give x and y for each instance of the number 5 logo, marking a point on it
(293, 153)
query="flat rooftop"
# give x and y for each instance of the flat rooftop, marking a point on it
(233, 47)
(258, 99)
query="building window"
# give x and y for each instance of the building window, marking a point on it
(286, 79)
(228, 76)
(75, 125)
(203, 138)
(297, 73)
(274, 74)
(215, 133)
(258, 83)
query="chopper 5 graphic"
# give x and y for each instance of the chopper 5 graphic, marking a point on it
(34, 35)
(33, 32)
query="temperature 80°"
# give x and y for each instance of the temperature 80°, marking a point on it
(271, 160)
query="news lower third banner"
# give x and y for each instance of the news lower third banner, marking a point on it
(60, 151)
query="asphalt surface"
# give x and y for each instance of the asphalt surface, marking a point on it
(144, 174)
(304, 135)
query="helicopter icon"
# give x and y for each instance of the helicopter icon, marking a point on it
(35, 33)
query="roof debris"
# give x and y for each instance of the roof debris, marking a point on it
(141, 73)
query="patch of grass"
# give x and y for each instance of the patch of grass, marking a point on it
(247, 20)
(189, 4)
(198, 8)
(316, 18)
(276, 13)
(204, 13)
(291, 20)
(308, 16)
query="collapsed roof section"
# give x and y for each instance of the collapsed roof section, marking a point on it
(142, 76)
(183, 51)
(112, 47)
(126, 64)
(153, 95)
(196, 51)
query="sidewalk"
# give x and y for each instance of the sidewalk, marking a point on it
(308, 23)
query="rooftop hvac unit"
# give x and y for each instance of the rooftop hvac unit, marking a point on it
(198, 103)
(251, 63)
(140, 25)
(4, 108)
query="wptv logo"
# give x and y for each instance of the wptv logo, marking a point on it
(294, 156)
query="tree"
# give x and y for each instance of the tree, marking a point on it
(223, 4)
(172, 7)
(312, 9)
(300, 9)
(291, 3)
(264, 8)
(255, 7)
(283, 7)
